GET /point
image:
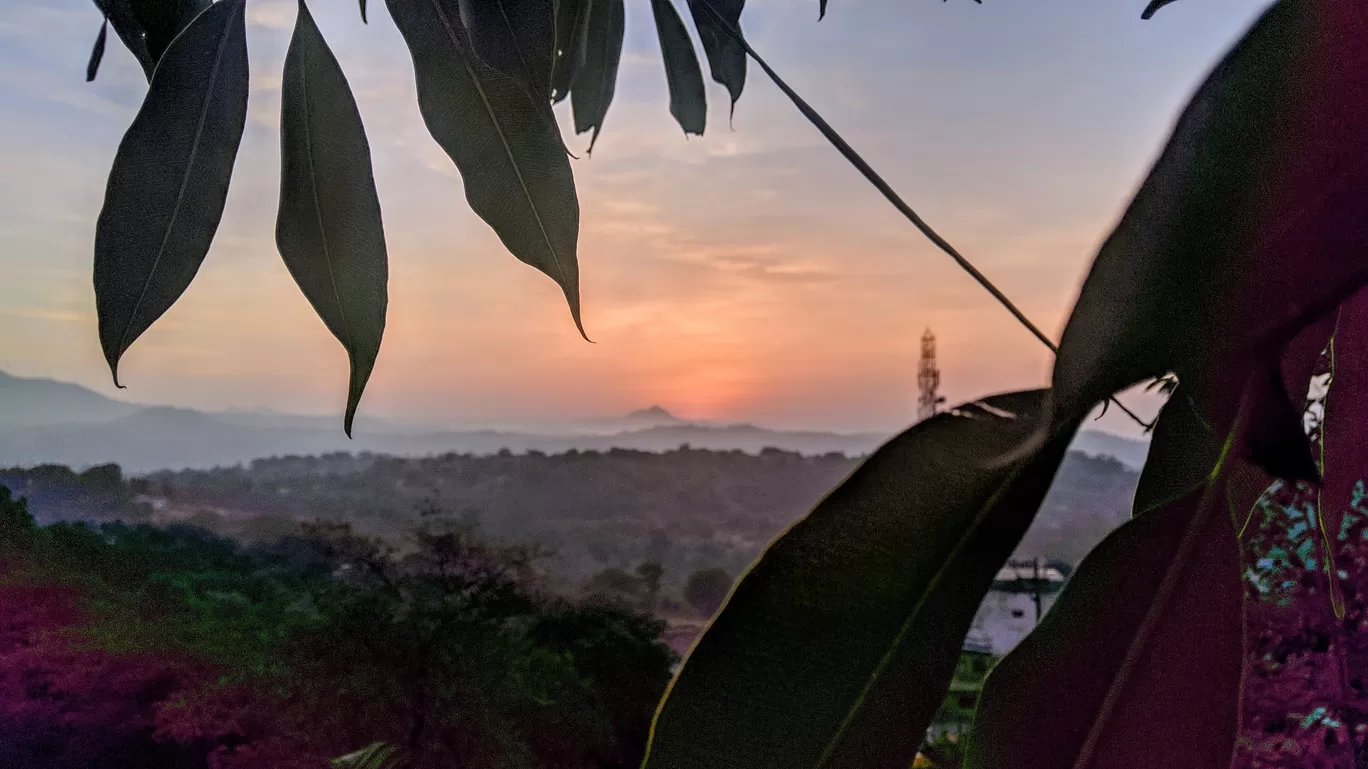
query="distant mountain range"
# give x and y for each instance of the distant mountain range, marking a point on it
(48, 421)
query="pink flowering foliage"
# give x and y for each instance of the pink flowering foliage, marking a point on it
(1305, 701)
(1306, 550)
(131, 647)
(63, 705)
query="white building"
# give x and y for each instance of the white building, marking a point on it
(1008, 612)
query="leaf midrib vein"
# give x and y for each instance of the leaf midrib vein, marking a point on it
(931, 587)
(185, 183)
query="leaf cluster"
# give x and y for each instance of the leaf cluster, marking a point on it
(488, 73)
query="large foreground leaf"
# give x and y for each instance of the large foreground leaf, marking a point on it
(506, 146)
(1188, 435)
(726, 56)
(1250, 224)
(170, 178)
(837, 648)
(597, 79)
(1138, 662)
(329, 229)
(688, 100)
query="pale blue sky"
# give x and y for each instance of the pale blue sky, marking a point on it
(745, 275)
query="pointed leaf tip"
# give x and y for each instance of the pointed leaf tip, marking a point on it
(349, 417)
(1150, 9)
(572, 299)
(683, 75)
(507, 147)
(363, 12)
(596, 81)
(97, 52)
(329, 229)
(114, 374)
(170, 176)
(719, 24)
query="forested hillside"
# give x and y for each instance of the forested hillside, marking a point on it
(261, 615)
(137, 647)
(687, 509)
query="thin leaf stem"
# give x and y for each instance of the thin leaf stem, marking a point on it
(892, 197)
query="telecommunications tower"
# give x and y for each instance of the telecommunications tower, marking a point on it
(928, 379)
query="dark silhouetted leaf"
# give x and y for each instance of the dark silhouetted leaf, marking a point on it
(688, 99)
(170, 178)
(1250, 224)
(1154, 608)
(1109, 678)
(329, 229)
(515, 37)
(726, 56)
(594, 85)
(517, 177)
(162, 20)
(1191, 424)
(1150, 9)
(1193, 449)
(363, 12)
(572, 22)
(126, 26)
(97, 52)
(838, 646)
(821, 10)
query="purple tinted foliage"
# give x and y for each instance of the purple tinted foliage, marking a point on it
(1306, 550)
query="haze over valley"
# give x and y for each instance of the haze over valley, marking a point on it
(47, 421)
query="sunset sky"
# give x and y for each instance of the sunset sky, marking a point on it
(747, 275)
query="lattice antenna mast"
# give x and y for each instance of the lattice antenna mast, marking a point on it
(928, 379)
